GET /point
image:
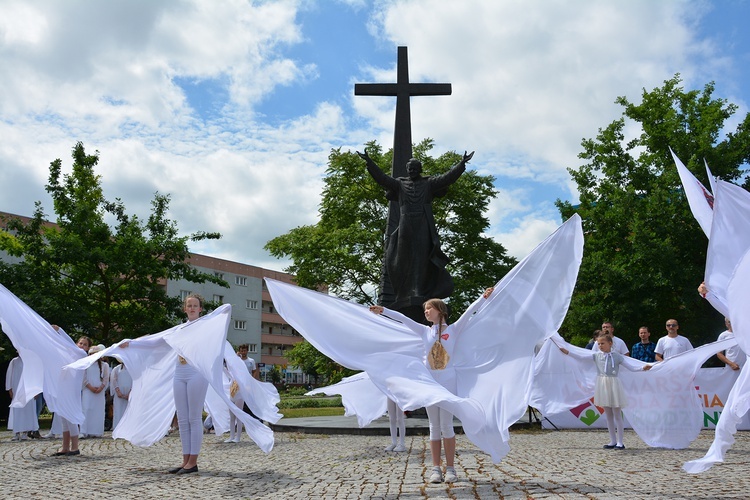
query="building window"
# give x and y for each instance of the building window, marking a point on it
(251, 304)
(240, 324)
(252, 348)
(219, 275)
(219, 299)
(240, 280)
(184, 294)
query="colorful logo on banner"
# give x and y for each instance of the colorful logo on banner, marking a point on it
(712, 406)
(588, 412)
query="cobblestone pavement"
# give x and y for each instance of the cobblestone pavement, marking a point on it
(541, 464)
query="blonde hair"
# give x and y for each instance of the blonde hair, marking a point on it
(441, 307)
(606, 337)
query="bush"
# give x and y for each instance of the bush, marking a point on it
(310, 402)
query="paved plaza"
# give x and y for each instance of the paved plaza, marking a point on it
(541, 464)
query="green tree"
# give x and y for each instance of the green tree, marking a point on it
(103, 281)
(644, 253)
(344, 250)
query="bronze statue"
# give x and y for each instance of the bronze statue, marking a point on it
(413, 258)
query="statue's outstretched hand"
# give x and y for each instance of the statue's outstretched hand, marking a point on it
(467, 157)
(365, 156)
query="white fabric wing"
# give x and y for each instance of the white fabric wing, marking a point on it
(44, 352)
(738, 401)
(730, 239)
(493, 353)
(699, 198)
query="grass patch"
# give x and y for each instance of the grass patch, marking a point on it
(312, 412)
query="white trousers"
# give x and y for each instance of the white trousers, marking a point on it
(189, 396)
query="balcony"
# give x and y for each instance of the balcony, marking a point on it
(273, 360)
(269, 338)
(268, 317)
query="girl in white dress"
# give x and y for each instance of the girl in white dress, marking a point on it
(608, 392)
(70, 431)
(93, 397)
(120, 383)
(235, 424)
(439, 342)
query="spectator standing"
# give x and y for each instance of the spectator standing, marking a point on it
(733, 357)
(673, 343)
(644, 350)
(595, 336)
(618, 345)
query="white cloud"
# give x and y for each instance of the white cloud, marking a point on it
(531, 79)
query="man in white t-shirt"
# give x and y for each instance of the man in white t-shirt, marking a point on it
(249, 362)
(733, 357)
(673, 343)
(618, 345)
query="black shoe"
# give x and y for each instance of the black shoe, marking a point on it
(60, 454)
(73, 453)
(187, 471)
(619, 447)
(174, 471)
(609, 446)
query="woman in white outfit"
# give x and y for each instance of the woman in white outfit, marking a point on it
(190, 389)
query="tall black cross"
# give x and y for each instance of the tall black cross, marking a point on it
(403, 90)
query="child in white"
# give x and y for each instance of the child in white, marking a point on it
(235, 424)
(608, 392)
(443, 337)
(398, 427)
(121, 384)
(95, 382)
(20, 420)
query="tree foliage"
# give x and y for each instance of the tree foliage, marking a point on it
(92, 278)
(344, 250)
(644, 254)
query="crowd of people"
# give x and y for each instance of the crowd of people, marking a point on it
(667, 346)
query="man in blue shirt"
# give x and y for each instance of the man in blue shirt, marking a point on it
(644, 350)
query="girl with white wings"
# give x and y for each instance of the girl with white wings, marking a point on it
(439, 343)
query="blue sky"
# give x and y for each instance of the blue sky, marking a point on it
(232, 107)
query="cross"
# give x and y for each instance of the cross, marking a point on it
(403, 90)
(402, 151)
